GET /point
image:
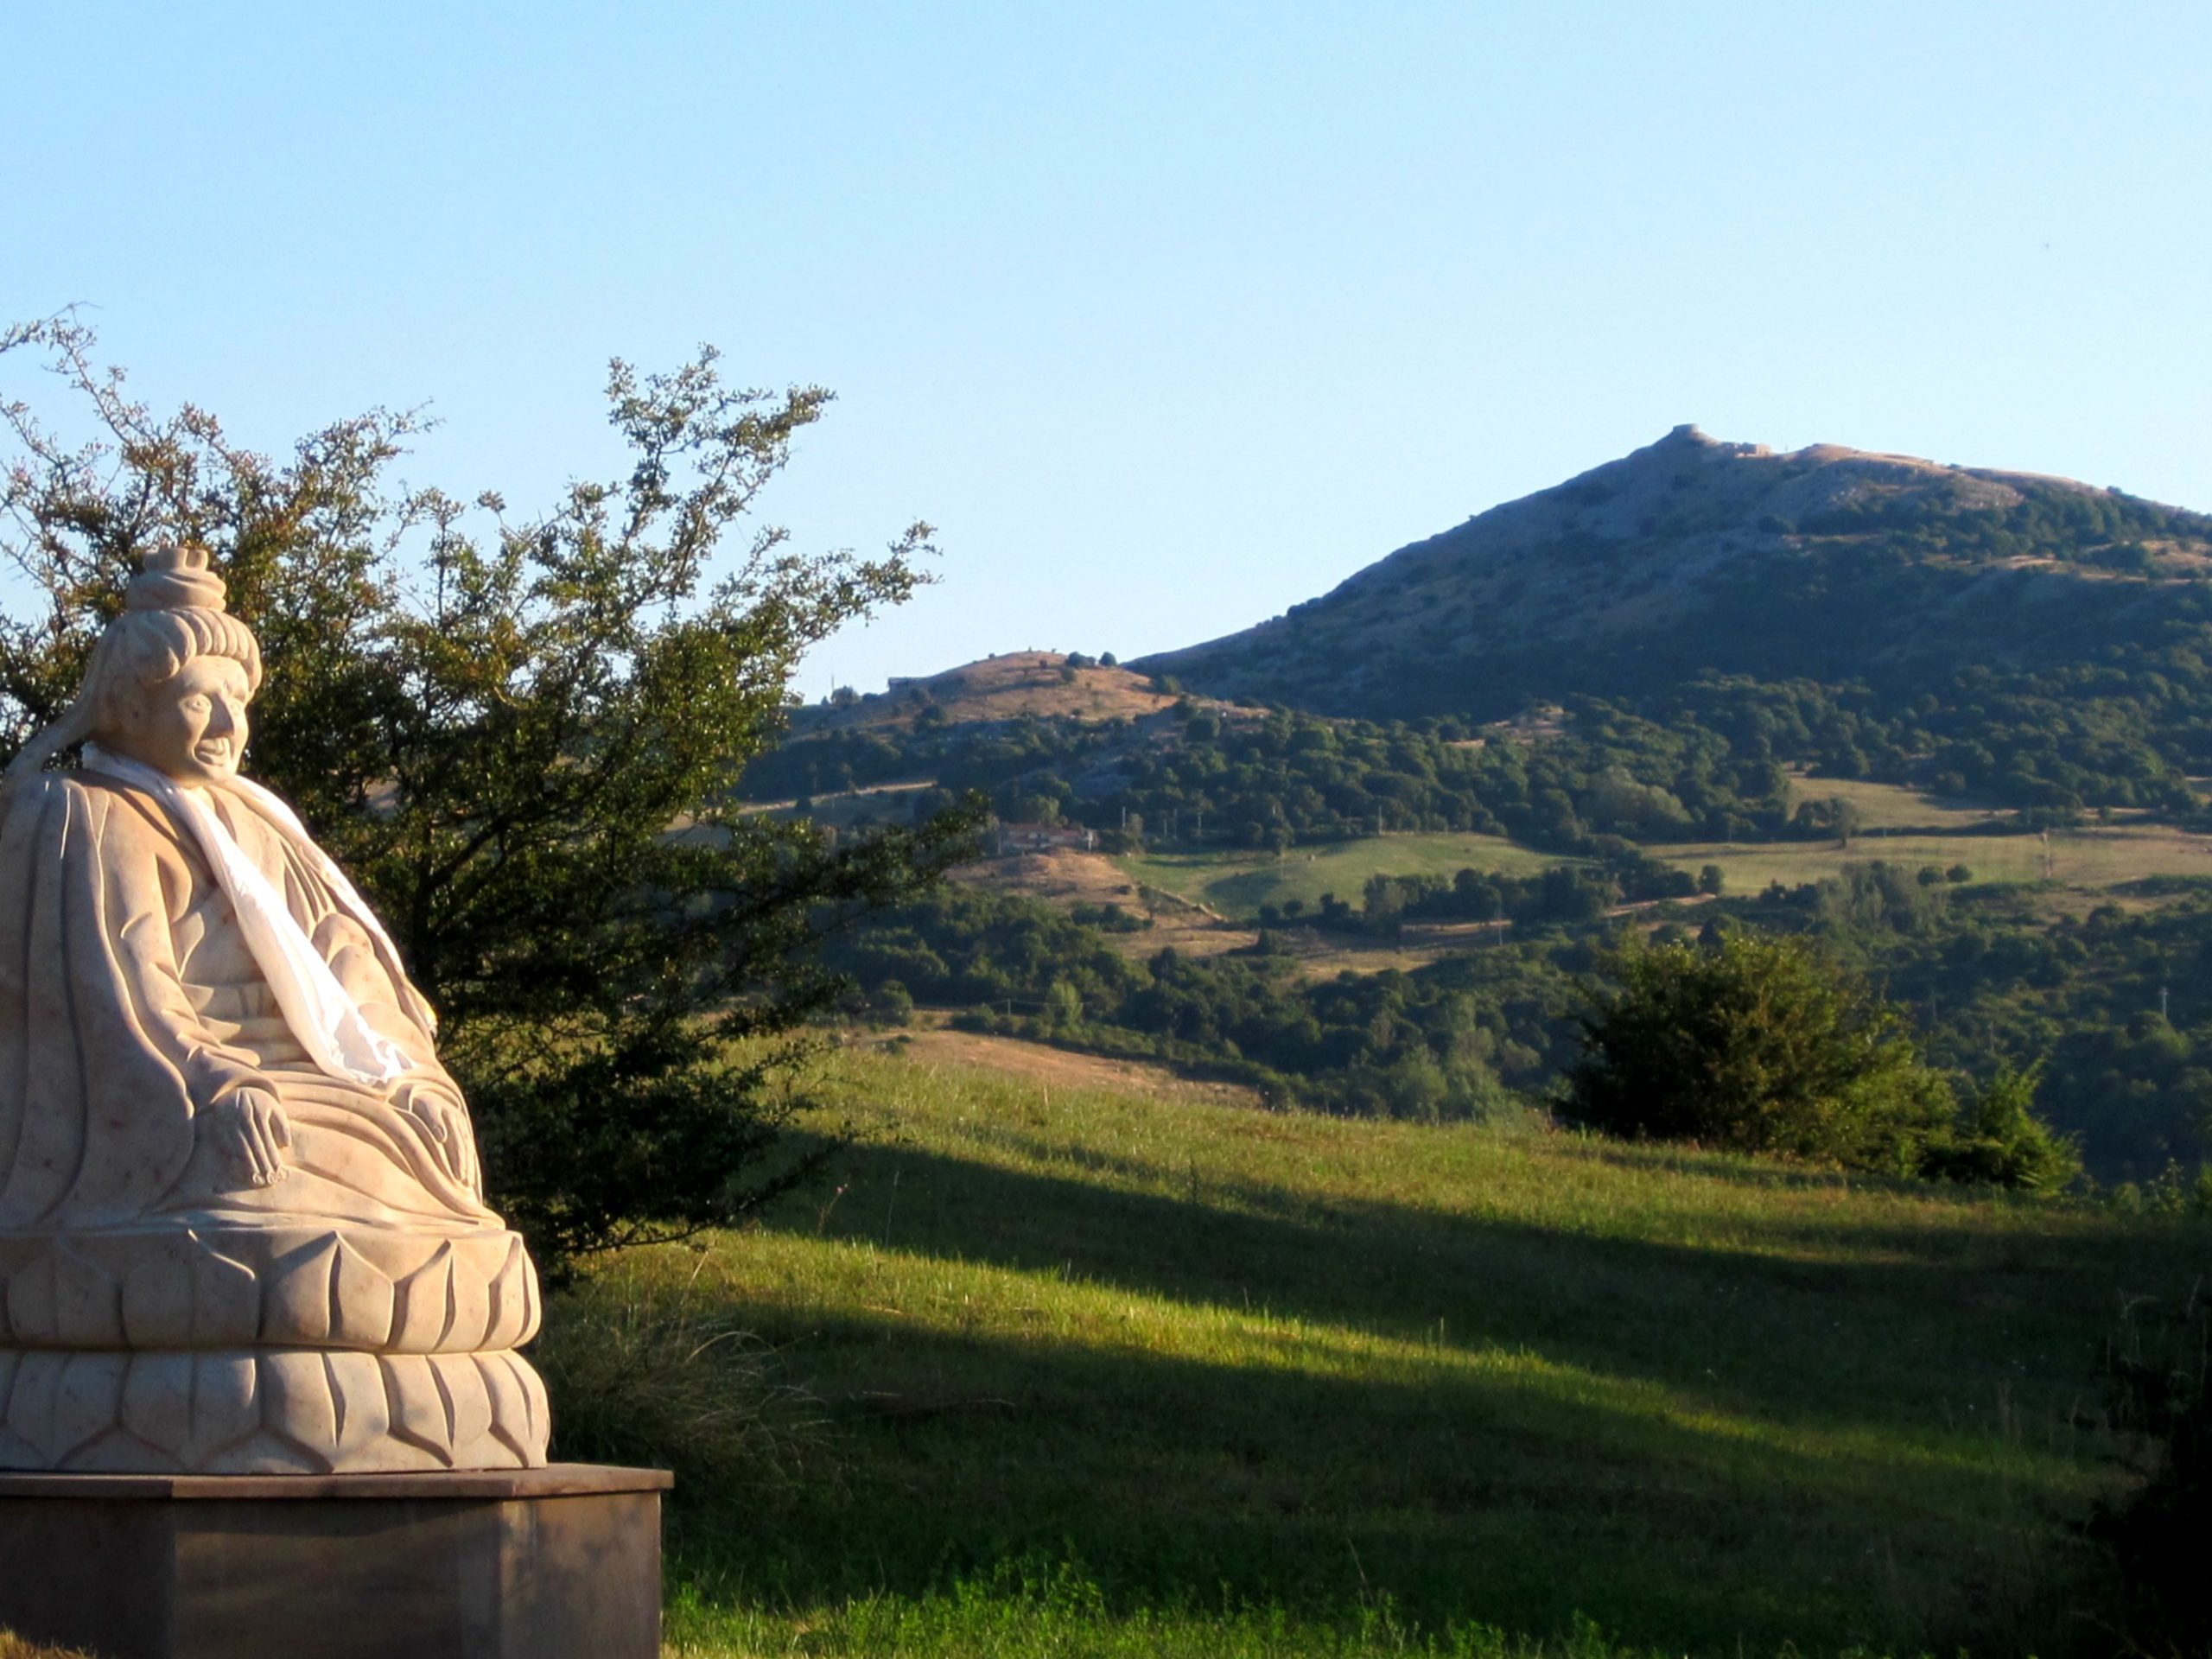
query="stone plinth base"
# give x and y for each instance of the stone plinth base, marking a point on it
(559, 1562)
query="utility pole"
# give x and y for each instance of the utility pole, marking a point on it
(2162, 1003)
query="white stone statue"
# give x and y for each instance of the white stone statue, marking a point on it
(242, 1225)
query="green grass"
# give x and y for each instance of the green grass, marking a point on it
(1103, 1374)
(1036, 1609)
(1892, 806)
(1237, 884)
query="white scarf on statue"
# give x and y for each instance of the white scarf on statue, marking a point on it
(322, 1015)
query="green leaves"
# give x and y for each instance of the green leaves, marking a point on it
(1763, 1043)
(520, 735)
(1756, 1043)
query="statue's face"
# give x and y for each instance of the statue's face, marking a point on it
(191, 725)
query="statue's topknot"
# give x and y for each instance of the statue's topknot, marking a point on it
(176, 578)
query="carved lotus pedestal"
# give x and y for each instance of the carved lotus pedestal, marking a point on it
(267, 1348)
(301, 1438)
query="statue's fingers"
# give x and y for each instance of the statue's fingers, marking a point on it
(281, 1126)
(270, 1135)
(237, 1136)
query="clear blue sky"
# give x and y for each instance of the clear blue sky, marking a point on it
(1169, 315)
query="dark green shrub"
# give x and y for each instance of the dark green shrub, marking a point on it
(1755, 1043)
(1999, 1141)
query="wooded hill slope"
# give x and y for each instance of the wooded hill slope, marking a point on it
(1692, 557)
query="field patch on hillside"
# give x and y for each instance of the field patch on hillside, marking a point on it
(1220, 1369)
(1237, 883)
(1075, 881)
(1893, 806)
(2093, 856)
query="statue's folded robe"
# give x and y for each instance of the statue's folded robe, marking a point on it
(129, 1004)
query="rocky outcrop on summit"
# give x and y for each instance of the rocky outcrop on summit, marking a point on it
(1693, 556)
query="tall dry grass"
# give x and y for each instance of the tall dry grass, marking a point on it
(648, 1361)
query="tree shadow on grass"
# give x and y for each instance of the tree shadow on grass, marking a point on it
(1483, 1496)
(1724, 1441)
(1928, 1332)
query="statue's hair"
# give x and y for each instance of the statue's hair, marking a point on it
(146, 647)
(141, 647)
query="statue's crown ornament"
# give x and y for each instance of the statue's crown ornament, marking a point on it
(174, 576)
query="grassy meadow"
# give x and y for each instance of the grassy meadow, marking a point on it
(1082, 1370)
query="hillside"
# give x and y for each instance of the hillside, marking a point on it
(1693, 556)
(1012, 685)
(997, 705)
(1956, 722)
(1216, 1382)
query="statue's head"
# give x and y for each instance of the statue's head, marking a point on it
(169, 682)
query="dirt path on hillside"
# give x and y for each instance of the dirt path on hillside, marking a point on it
(1067, 878)
(1059, 1068)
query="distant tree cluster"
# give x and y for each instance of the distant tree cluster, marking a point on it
(1709, 761)
(1443, 1044)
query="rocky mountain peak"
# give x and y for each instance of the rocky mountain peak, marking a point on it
(1690, 552)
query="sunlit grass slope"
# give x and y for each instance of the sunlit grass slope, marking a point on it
(1227, 1373)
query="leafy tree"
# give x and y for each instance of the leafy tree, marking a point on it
(520, 734)
(1999, 1141)
(1757, 1043)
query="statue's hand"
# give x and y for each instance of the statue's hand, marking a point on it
(433, 1103)
(250, 1128)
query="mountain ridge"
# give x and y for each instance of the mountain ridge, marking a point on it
(1595, 585)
